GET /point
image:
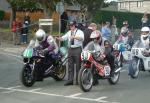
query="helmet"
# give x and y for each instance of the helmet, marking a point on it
(95, 34)
(124, 30)
(145, 29)
(40, 35)
(125, 22)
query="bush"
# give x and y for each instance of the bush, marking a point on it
(1, 14)
(134, 19)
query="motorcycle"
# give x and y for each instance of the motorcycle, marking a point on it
(91, 67)
(122, 53)
(32, 57)
(140, 61)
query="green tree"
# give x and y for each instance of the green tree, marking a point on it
(48, 6)
(20, 4)
(89, 7)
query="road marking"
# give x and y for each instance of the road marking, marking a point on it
(56, 95)
(74, 95)
(33, 90)
(8, 91)
(13, 55)
(14, 87)
(87, 99)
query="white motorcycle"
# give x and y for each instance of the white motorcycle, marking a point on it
(122, 53)
(140, 61)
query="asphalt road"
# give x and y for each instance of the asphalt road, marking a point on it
(50, 91)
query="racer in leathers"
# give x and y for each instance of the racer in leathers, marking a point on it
(101, 44)
(144, 40)
(125, 37)
(49, 48)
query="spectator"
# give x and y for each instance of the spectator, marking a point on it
(72, 17)
(114, 20)
(24, 34)
(87, 32)
(27, 23)
(64, 19)
(144, 20)
(16, 28)
(106, 31)
(114, 31)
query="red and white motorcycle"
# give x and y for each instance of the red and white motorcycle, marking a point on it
(100, 68)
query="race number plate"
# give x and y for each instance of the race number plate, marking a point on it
(107, 70)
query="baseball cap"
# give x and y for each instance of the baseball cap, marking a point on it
(71, 23)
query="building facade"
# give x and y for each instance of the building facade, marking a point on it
(139, 6)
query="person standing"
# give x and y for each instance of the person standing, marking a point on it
(114, 31)
(144, 20)
(75, 39)
(87, 33)
(27, 23)
(13, 29)
(24, 34)
(64, 20)
(106, 31)
(16, 28)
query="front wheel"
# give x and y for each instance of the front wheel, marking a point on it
(114, 78)
(134, 68)
(26, 76)
(85, 79)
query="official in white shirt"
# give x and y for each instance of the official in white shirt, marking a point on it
(75, 39)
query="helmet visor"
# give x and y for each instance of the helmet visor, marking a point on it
(40, 38)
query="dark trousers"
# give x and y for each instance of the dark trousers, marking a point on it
(74, 58)
(24, 39)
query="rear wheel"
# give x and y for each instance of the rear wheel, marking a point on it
(85, 79)
(27, 77)
(60, 74)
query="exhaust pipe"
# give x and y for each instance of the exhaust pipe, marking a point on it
(118, 70)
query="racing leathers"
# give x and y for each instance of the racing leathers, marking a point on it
(49, 48)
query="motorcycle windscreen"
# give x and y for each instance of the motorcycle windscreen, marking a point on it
(28, 53)
(63, 50)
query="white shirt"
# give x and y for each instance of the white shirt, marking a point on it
(77, 43)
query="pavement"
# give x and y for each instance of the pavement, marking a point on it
(11, 48)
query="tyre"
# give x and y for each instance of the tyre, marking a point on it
(27, 77)
(60, 74)
(114, 78)
(134, 68)
(119, 61)
(85, 79)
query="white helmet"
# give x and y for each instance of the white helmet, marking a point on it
(145, 29)
(95, 34)
(124, 30)
(40, 35)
